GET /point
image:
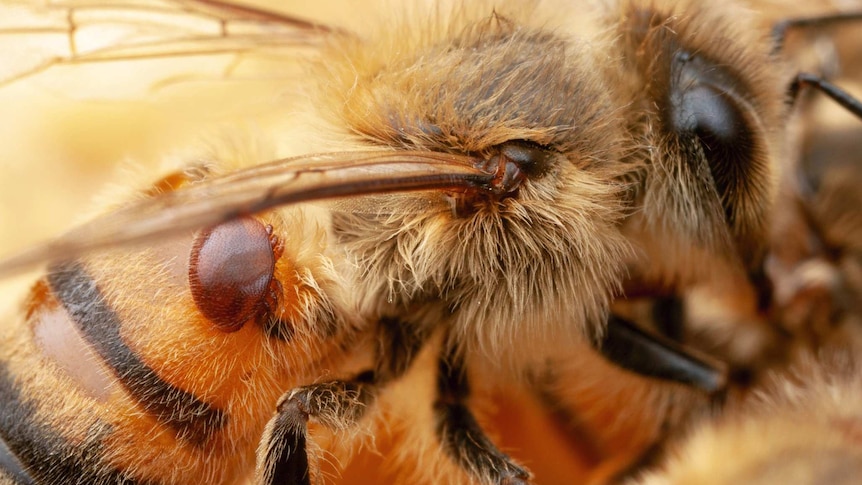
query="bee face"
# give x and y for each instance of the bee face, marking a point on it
(651, 146)
(708, 131)
(471, 88)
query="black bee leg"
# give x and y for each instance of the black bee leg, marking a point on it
(819, 22)
(840, 96)
(462, 437)
(336, 404)
(283, 456)
(653, 355)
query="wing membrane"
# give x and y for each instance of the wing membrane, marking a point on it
(36, 36)
(258, 189)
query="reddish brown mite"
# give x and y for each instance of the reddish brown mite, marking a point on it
(231, 270)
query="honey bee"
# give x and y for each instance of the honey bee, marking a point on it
(463, 186)
(802, 427)
(792, 419)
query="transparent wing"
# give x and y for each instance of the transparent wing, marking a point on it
(262, 187)
(35, 36)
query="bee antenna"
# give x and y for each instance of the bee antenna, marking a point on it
(780, 29)
(840, 96)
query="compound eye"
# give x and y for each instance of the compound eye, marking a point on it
(230, 270)
(714, 116)
(710, 114)
(707, 106)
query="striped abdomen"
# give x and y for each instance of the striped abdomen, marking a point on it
(117, 375)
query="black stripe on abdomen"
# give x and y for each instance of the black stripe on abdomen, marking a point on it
(194, 420)
(47, 456)
(11, 469)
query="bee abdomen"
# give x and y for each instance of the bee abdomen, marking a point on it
(82, 402)
(127, 373)
(43, 454)
(193, 419)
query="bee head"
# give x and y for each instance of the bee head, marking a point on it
(707, 95)
(539, 252)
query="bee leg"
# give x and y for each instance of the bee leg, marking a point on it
(462, 437)
(840, 96)
(653, 355)
(283, 456)
(617, 423)
(337, 404)
(780, 29)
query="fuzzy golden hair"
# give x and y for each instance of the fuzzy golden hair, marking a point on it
(801, 427)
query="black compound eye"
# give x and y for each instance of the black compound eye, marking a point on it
(705, 102)
(706, 106)
(230, 270)
(712, 115)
